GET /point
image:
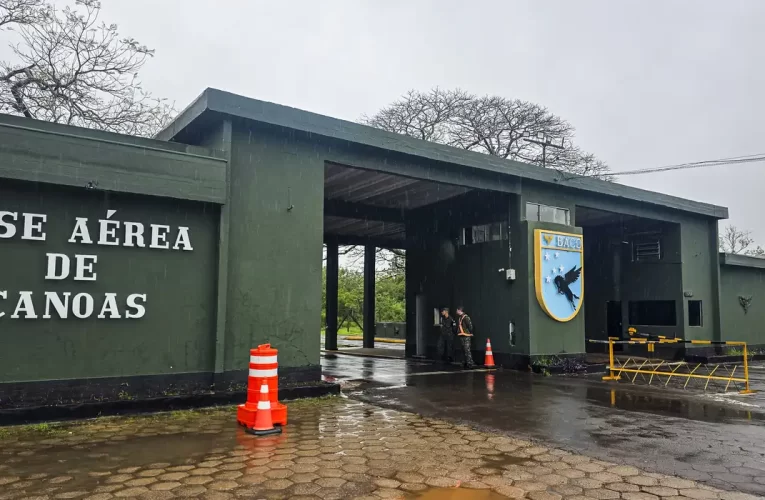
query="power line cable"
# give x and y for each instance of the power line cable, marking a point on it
(698, 164)
(735, 160)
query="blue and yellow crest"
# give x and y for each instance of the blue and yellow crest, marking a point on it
(558, 275)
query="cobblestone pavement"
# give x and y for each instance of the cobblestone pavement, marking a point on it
(709, 437)
(332, 448)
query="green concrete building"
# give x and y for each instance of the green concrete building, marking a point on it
(135, 265)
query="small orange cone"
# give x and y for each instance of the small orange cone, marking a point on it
(489, 362)
(264, 425)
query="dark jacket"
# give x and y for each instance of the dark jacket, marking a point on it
(448, 326)
(464, 325)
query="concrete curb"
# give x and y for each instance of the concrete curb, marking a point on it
(16, 416)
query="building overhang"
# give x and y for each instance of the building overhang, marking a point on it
(731, 259)
(214, 101)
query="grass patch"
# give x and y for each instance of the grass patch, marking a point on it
(353, 331)
(545, 364)
(311, 402)
(181, 415)
(176, 415)
(35, 430)
(739, 351)
(546, 361)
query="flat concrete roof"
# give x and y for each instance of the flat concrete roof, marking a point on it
(731, 259)
(274, 114)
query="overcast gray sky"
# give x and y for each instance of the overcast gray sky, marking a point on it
(645, 83)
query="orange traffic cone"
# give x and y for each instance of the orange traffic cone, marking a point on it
(264, 425)
(489, 362)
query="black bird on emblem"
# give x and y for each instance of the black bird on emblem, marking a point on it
(562, 283)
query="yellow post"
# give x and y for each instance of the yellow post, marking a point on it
(611, 366)
(746, 390)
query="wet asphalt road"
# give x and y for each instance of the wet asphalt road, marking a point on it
(718, 440)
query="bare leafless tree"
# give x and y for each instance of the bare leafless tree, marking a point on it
(20, 12)
(387, 261)
(72, 68)
(737, 241)
(488, 124)
(427, 116)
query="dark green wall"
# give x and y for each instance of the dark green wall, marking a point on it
(271, 241)
(275, 247)
(690, 264)
(484, 292)
(687, 257)
(174, 337)
(614, 276)
(548, 336)
(700, 277)
(602, 279)
(738, 325)
(660, 280)
(451, 275)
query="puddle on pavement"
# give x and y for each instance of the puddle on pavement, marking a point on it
(459, 494)
(670, 404)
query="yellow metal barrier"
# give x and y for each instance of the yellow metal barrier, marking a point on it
(674, 370)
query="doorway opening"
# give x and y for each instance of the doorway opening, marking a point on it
(633, 275)
(368, 226)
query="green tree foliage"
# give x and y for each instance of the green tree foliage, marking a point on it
(389, 296)
(350, 295)
(390, 305)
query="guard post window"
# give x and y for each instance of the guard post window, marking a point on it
(536, 212)
(652, 313)
(484, 233)
(695, 316)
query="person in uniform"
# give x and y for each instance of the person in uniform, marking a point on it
(445, 344)
(465, 334)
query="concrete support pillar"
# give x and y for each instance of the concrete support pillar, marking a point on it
(369, 295)
(333, 264)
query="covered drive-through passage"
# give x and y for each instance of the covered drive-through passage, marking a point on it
(471, 225)
(370, 208)
(260, 188)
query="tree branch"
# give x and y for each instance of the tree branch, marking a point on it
(72, 68)
(489, 124)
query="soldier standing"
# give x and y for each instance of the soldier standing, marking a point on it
(446, 336)
(465, 333)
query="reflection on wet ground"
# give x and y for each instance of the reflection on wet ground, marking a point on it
(711, 438)
(345, 343)
(332, 449)
(459, 494)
